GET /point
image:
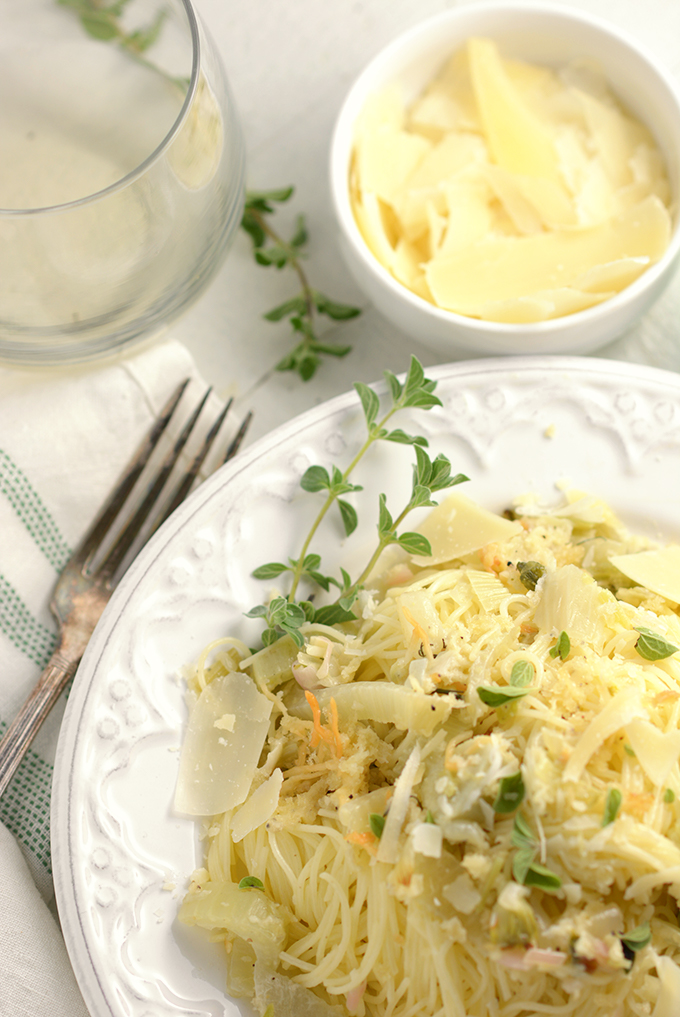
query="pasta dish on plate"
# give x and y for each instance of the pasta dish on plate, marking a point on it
(464, 803)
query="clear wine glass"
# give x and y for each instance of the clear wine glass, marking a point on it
(121, 174)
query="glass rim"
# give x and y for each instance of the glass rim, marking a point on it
(152, 157)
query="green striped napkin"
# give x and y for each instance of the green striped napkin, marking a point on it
(65, 437)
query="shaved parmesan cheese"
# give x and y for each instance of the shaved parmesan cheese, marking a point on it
(529, 194)
(668, 1000)
(386, 158)
(388, 851)
(427, 839)
(540, 306)
(612, 275)
(572, 602)
(463, 894)
(509, 267)
(225, 723)
(518, 140)
(658, 570)
(618, 713)
(258, 808)
(488, 588)
(656, 751)
(458, 526)
(216, 765)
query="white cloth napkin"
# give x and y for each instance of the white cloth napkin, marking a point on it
(65, 437)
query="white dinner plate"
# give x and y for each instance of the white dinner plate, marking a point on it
(122, 857)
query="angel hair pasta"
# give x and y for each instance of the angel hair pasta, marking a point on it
(464, 803)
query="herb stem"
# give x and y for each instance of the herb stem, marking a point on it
(382, 544)
(370, 440)
(294, 262)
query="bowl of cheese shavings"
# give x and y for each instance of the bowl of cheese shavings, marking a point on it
(467, 800)
(505, 179)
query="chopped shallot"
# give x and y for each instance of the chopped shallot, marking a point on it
(354, 996)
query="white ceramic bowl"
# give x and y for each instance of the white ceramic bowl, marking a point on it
(543, 34)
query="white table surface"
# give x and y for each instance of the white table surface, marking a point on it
(290, 65)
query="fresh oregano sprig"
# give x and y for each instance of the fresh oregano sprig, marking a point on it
(302, 310)
(285, 615)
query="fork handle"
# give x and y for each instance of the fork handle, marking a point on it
(27, 723)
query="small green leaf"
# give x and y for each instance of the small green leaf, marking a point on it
(522, 673)
(257, 612)
(295, 306)
(638, 937)
(333, 614)
(562, 647)
(669, 795)
(611, 806)
(249, 881)
(510, 794)
(369, 401)
(651, 646)
(385, 521)
(300, 235)
(270, 636)
(347, 601)
(495, 695)
(521, 862)
(377, 824)
(421, 497)
(349, 516)
(414, 543)
(522, 835)
(394, 386)
(145, 38)
(100, 25)
(629, 750)
(253, 228)
(414, 377)
(529, 573)
(429, 818)
(275, 255)
(320, 579)
(524, 868)
(402, 438)
(538, 875)
(315, 479)
(261, 199)
(334, 310)
(331, 351)
(422, 400)
(269, 571)
(309, 609)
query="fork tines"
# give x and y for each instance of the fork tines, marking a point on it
(150, 490)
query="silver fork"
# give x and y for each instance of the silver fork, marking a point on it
(94, 569)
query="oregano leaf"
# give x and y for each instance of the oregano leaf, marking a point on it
(522, 673)
(651, 646)
(250, 881)
(510, 794)
(269, 571)
(350, 519)
(612, 805)
(414, 543)
(495, 695)
(315, 478)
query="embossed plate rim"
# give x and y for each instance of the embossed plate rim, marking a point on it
(132, 978)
